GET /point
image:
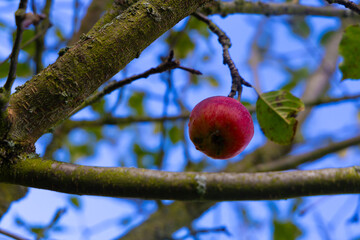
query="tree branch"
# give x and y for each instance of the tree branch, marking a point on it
(108, 120)
(169, 64)
(19, 17)
(50, 96)
(224, 40)
(152, 184)
(348, 4)
(11, 235)
(291, 162)
(274, 9)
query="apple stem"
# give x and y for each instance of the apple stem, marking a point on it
(224, 40)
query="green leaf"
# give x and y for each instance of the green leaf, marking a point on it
(75, 202)
(297, 76)
(213, 81)
(199, 26)
(175, 134)
(276, 113)
(326, 37)
(350, 49)
(59, 34)
(22, 70)
(4, 69)
(285, 230)
(181, 43)
(8, 194)
(299, 26)
(99, 106)
(136, 102)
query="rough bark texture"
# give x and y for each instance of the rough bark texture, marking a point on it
(52, 94)
(154, 184)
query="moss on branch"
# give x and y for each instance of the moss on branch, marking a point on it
(51, 95)
(152, 184)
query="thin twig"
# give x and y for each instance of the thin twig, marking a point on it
(274, 9)
(112, 86)
(19, 17)
(291, 161)
(224, 40)
(39, 34)
(12, 235)
(348, 4)
(184, 116)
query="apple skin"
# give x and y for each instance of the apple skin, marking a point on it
(220, 127)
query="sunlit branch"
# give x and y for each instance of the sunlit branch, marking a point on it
(274, 9)
(154, 184)
(169, 64)
(224, 40)
(346, 3)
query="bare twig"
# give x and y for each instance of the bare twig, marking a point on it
(19, 17)
(169, 64)
(294, 161)
(140, 119)
(274, 9)
(348, 4)
(38, 35)
(12, 235)
(195, 232)
(224, 40)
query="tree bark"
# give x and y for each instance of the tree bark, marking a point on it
(51, 95)
(154, 184)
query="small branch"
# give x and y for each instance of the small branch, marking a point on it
(124, 182)
(195, 232)
(19, 18)
(123, 121)
(140, 119)
(8, 234)
(273, 9)
(224, 40)
(328, 100)
(169, 64)
(348, 4)
(291, 162)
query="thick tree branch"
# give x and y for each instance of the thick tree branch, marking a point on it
(346, 3)
(51, 95)
(152, 184)
(274, 9)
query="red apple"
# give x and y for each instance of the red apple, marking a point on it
(220, 127)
